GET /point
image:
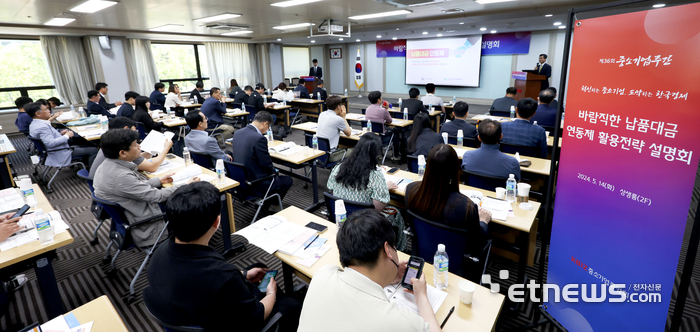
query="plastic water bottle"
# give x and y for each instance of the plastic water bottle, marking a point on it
(346, 92)
(167, 111)
(441, 263)
(430, 107)
(43, 227)
(27, 191)
(72, 108)
(270, 138)
(421, 165)
(405, 114)
(187, 157)
(104, 121)
(445, 138)
(314, 143)
(510, 189)
(264, 99)
(369, 126)
(454, 100)
(460, 138)
(340, 213)
(318, 95)
(534, 123)
(284, 102)
(81, 112)
(2, 143)
(220, 175)
(400, 103)
(512, 112)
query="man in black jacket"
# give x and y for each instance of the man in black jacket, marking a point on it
(413, 104)
(93, 105)
(198, 99)
(127, 109)
(544, 69)
(321, 90)
(102, 89)
(303, 91)
(316, 70)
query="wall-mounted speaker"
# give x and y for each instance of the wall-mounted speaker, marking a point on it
(104, 42)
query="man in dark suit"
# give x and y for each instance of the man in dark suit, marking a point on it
(545, 115)
(127, 109)
(93, 105)
(315, 70)
(521, 131)
(242, 97)
(488, 160)
(544, 69)
(250, 149)
(198, 99)
(413, 104)
(102, 89)
(554, 104)
(320, 90)
(256, 100)
(303, 91)
(501, 106)
(157, 97)
(461, 110)
(214, 108)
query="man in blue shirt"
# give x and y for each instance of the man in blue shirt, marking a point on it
(546, 115)
(93, 106)
(213, 108)
(488, 160)
(157, 97)
(199, 141)
(461, 110)
(303, 91)
(23, 119)
(521, 131)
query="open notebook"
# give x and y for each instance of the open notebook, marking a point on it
(274, 232)
(188, 173)
(29, 234)
(396, 295)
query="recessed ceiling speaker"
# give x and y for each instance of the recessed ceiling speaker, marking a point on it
(104, 42)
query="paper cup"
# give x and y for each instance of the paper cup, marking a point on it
(444, 137)
(466, 291)
(547, 132)
(523, 192)
(501, 193)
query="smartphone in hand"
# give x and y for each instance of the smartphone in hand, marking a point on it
(266, 280)
(414, 269)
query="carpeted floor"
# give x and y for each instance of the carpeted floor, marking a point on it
(81, 274)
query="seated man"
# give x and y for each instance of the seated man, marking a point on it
(554, 104)
(303, 91)
(143, 163)
(250, 149)
(192, 284)
(413, 104)
(331, 123)
(522, 132)
(501, 106)
(256, 100)
(127, 109)
(54, 140)
(23, 119)
(199, 141)
(353, 297)
(116, 180)
(377, 112)
(320, 90)
(242, 97)
(157, 97)
(93, 106)
(213, 108)
(103, 89)
(488, 160)
(198, 87)
(54, 102)
(545, 114)
(461, 110)
(431, 99)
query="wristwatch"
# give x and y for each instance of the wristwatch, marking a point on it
(245, 274)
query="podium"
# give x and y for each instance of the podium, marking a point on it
(311, 82)
(528, 84)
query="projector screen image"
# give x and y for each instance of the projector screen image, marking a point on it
(444, 61)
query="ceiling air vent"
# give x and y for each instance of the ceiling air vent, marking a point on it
(411, 3)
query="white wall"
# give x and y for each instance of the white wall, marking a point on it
(317, 53)
(276, 71)
(336, 72)
(114, 68)
(558, 57)
(373, 68)
(539, 43)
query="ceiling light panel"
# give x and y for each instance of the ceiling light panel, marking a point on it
(220, 17)
(59, 21)
(236, 33)
(93, 6)
(292, 3)
(166, 27)
(292, 26)
(377, 15)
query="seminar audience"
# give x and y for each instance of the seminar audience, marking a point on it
(157, 97)
(413, 104)
(213, 108)
(196, 93)
(431, 99)
(23, 119)
(127, 109)
(173, 99)
(461, 111)
(488, 160)
(141, 115)
(94, 106)
(545, 115)
(199, 141)
(234, 89)
(281, 93)
(501, 106)
(331, 123)
(303, 91)
(521, 131)
(103, 89)
(320, 91)
(422, 138)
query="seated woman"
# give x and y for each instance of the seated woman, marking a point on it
(438, 199)
(281, 93)
(143, 104)
(234, 89)
(358, 179)
(422, 138)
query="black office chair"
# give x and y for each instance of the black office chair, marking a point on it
(97, 211)
(203, 160)
(412, 163)
(483, 181)
(142, 130)
(287, 82)
(530, 151)
(350, 206)
(323, 145)
(465, 260)
(470, 142)
(272, 324)
(44, 153)
(246, 191)
(500, 113)
(295, 81)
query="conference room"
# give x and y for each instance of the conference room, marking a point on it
(299, 153)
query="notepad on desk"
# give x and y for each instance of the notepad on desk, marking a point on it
(286, 149)
(396, 295)
(271, 233)
(498, 207)
(188, 173)
(29, 233)
(10, 200)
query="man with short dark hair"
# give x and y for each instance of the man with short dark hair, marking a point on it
(501, 106)
(320, 91)
(117, 180)
(256, 100)
(192, 284)
(143, 162)
(198, 87)
(353, 297)
(431, 99)
(544, 69)
(545, 114)
(55, 102)
(316, 70)
(157, 97)
(243, 96)
(377, 112)
(554, 104)
(488, 160)
(102, 89)
(250, 149)
(94, 107)
(461, 110)
(331, 123)
(199, 141)
(413, 104)
(213, 108)
(522, 132)
(303, 91)
(54, 140)
(23, 119)
(127, 109)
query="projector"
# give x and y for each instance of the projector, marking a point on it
(334, 28)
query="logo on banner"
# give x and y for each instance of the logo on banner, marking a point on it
(359, 80)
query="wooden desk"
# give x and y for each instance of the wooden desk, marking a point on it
(308, 107)
(81, 130)
(300, 160)
(481, 315)
(539, 166)
(5, 150)
(394, 122)
(39, 256)
(176, 122)
(310, 127)
(434, 117)
(191, 106)
(101, 312)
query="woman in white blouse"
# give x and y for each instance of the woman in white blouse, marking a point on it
(281, 93)
(173, 99)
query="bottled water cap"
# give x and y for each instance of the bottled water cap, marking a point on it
(441, 247)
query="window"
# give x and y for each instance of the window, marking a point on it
(296, 62)
(181, 64)
(23, 72)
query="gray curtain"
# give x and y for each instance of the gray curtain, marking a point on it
(140, 65)
(70, 68)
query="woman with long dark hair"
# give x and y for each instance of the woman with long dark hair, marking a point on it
(234, 88)
(358, 179)
(143, 104)
(422, 138)
(437, 197)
